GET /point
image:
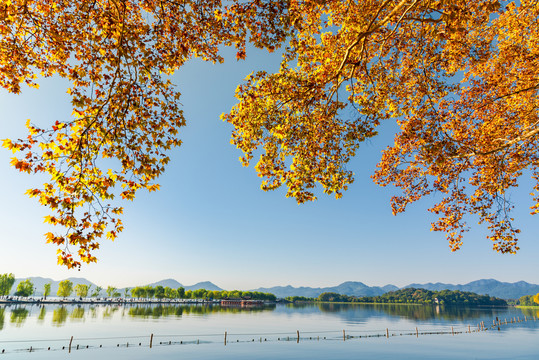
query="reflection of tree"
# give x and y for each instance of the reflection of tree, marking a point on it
(18, 316)
(1, 318)
(59, 316)
(42, 313)
(157, 311)
(77, 314)
(530, 312)
(109, 311)
(412, 312)
(93, 312)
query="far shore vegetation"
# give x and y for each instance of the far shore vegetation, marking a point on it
(408, 296)
(67, 289)
(414, 296)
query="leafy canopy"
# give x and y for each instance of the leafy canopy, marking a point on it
(25, 288)
(459, 78)
(6, 283)
(65, 288)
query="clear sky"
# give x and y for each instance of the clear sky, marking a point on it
(211, 222)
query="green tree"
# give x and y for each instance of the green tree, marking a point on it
(110, 291)
(170, 293)
(96, 292)
(46, 290)
(159, 292)
(81, 290)
(138, 292)
(150, 291)
(126, 293)
(181, 292)
(6, 283)
(65, 288)
(25, 288)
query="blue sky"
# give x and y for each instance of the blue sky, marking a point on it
(211, 221)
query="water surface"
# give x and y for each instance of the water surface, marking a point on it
(327, 331)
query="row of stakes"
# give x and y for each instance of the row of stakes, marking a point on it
(496, 323)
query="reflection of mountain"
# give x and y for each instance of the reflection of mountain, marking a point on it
(410, 312)
(365, 313)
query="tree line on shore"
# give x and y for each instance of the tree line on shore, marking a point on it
(420, 296)
(529, 300)
(65, 289)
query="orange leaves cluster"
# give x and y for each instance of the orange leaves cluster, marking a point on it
(459, 77)
(126, 115)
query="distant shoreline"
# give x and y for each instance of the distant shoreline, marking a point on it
(403, 304)
(121, 301)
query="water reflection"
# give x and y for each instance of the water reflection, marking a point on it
(77, 314)
(42, 314)
(59, 316)
(157, 311)
(349, 313)
(361, 313)
(530, 313)
(109, 311)
(18, 316)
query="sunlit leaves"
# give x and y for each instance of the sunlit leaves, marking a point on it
(459, 77)
(126, 113)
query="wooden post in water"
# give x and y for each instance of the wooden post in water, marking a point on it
(343, 335)
(70, 341)
(225, 338)
(151, 340)
(416, 332)
(452, 331)
(387, 333)
(469, 329)
(298, 335)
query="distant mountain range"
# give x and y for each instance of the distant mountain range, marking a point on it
(351, 288)
(490, 287)
(175, 284)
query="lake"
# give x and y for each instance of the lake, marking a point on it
(269, 332)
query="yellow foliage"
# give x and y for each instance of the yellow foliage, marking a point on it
(459, 77)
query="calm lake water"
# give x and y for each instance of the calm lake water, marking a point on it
(197, 332)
